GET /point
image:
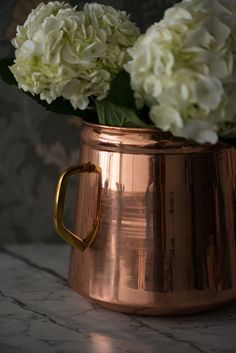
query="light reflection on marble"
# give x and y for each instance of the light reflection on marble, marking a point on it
(39, 313)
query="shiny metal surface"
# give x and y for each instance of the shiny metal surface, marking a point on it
(166, 243)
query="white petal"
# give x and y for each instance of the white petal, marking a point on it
(218, 29)
(209, 92)
(200, 131)
(165, 118)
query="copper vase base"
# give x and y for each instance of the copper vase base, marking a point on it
(170, 309)
(159, 311)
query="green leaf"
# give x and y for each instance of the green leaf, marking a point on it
(121, 92)
(59, 106)
(111, 114)
(5, 72)
(62, 106)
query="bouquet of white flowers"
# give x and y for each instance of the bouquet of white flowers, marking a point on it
(179, 76)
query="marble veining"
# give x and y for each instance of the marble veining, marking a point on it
(39, 312)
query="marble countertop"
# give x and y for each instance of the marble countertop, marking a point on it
(40, 313)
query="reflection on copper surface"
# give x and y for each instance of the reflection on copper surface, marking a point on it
(166, 242)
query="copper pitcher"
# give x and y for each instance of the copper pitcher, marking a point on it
(155, 226)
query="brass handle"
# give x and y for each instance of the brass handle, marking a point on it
(65, 233)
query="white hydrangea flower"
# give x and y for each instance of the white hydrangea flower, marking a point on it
(69, 53)
(183, 68)
(200, 131)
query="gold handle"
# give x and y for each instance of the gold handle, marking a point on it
(65, 233)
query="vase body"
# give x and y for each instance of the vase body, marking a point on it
(166, 242)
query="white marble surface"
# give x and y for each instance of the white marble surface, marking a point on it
(39, 313)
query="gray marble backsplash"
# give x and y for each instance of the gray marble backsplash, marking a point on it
(36, 145)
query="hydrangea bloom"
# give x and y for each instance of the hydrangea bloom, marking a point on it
(183, 69)
(69, 53)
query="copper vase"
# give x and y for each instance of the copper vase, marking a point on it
(155, 226)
